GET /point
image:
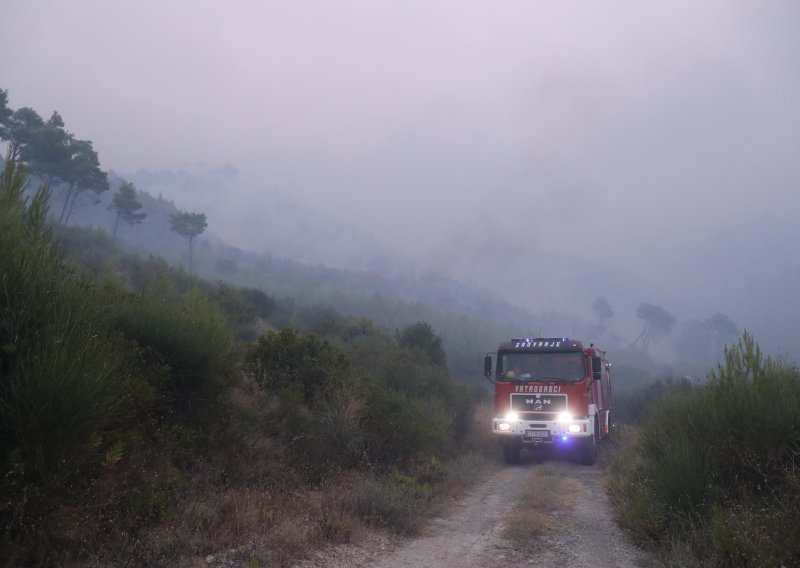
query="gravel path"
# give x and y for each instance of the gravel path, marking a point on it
(470, 533)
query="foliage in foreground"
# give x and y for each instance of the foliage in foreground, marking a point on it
(362, 401)
(65, 377)
(117, 376)
(717, 466)
(87, 372)
(192, 339)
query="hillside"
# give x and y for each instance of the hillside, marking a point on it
(262, 219)
(138, 400)
(470, 318)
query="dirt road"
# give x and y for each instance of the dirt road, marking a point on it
(574, 532)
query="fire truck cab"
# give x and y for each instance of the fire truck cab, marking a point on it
(550, 392)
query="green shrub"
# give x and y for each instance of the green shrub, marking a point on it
(408, 373)
(420, 338)
(243, 307)
(259, 303)
(675, 464)
(720, 463)
(323, 438)
(153, 278)
(194, 341)
(401, 406)
(64, 377)
(412, 364)
(321, 320)
(290, 359)
(91, 251)
(398, 427)
(421, 380)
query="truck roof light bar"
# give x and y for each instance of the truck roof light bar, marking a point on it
(540, 339)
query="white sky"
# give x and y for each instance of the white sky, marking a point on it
(446, 128)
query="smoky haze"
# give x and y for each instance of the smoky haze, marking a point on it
(550, 151)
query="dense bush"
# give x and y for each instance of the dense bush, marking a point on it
(311, 402)
(363, 399)
(90, 252)
(413, 404)
(243, 308)
(420, 338)
(404, 372)
(65, 376)
(94, 254)
(111, 368)
(718, 464)
(298, 361)
(193, 340)
(399, 427)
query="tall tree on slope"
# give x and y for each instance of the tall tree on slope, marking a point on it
(188, 225)
(81, 173)
(126, 206)
(603, 309)
(658, 322)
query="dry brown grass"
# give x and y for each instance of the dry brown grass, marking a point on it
(548, 490)
(243, 502)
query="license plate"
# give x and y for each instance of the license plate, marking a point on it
(537, 434)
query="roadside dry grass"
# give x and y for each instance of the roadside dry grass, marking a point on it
(244, 503)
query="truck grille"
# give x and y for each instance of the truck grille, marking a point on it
(548, 416)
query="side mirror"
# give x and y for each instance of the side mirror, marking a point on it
(487, 366)
(597, 368)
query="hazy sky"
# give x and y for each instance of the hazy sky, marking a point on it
(446, 128)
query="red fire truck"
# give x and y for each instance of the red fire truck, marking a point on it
(551, 392)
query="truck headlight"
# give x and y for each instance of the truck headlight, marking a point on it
(512, 415)
(574, 428)
(504, 426)
(564, 416)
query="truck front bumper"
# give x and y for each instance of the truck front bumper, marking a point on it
(542, 431)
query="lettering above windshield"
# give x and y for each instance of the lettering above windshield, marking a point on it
(537, 388)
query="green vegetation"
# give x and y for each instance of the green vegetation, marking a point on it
(128, 409)
(189, 226)
(48, 149)
(713, 469)
(193, 340)
(421, 338)
(126, 207)
(66, 375)
(363, 400)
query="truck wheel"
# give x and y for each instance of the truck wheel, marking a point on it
(511, 450)
(589, 450)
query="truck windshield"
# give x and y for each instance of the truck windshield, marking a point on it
(540, 366)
